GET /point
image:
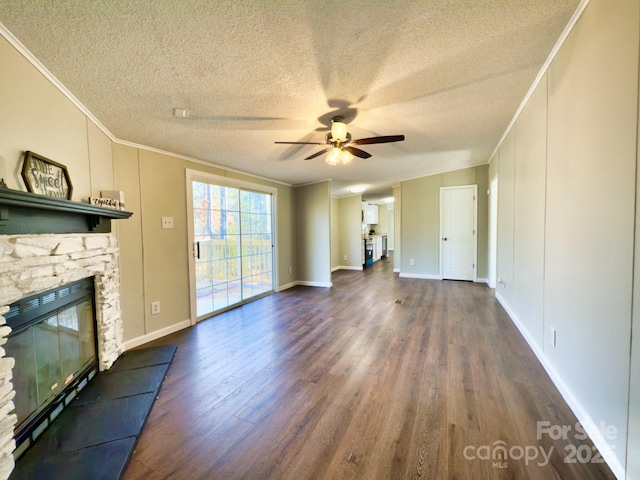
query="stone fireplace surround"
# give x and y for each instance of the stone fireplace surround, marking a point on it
(31, 264)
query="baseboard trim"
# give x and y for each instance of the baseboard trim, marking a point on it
(149, 337)
(421, 276)
(315, 284)
(346, 267)
(482, 280)
(305, 284)
(592, 429)
(286, 286)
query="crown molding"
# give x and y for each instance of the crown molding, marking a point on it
(545, 67)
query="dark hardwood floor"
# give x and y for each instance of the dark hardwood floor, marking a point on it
(346, 382)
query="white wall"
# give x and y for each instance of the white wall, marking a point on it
(529, 212)
(633, 445)
(567, 186)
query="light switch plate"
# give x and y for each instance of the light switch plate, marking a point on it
(167, 222)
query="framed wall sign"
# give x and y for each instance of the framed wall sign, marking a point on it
(46, 177)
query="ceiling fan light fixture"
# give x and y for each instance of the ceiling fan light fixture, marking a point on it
(346, 157)
(334, 156)
(338, 130)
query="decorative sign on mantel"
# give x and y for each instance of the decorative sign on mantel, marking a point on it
(109, 199)
(46, 177)
(105, 202)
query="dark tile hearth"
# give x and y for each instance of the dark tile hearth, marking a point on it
(95, 436)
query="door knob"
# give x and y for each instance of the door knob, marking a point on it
(444, 239)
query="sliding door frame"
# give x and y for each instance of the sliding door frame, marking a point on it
(197, 175)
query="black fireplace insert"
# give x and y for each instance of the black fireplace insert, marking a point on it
(53, 342)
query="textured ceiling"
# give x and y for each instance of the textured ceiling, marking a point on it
(448, 74)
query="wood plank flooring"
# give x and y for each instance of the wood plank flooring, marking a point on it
(346, 383)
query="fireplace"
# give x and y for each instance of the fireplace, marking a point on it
(49, 245)
(53, 343)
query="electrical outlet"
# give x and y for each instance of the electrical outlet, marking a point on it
(290, 269)
(412, 262)
(553, 338)
(344, 257)
(167, 222)
(155, 308)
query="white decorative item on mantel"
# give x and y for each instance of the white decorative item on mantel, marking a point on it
(109, 199)
(115, 194)
(105, 202)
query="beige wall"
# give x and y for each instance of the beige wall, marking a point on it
(506, 205)
(567, 188)
(127, 177)
(155, 264)
(350, 225)
(390, 226)
(36, 116)
(397, 228)
(335, 234)
(313, 229)
(420, 220)
(286, 235)
(165, 252)
(482, 180)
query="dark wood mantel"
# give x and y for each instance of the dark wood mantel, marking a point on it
(24, 212)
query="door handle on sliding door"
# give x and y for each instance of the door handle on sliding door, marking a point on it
(196, 250)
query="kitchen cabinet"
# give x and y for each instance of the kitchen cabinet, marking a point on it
(371, 214)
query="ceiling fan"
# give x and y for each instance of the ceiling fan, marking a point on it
(341, 145)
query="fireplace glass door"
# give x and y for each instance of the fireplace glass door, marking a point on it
(50, 351)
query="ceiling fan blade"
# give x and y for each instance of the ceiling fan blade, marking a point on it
(385, 139)
(356, 152)
(302, 143)
(317, 154)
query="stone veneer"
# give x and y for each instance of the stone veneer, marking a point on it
(30, 264)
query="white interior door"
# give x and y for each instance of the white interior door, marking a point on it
(458, 232)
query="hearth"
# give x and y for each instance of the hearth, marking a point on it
(53, 342)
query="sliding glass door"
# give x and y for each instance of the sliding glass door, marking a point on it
(232, 244)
